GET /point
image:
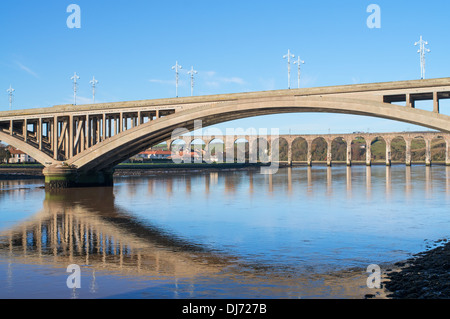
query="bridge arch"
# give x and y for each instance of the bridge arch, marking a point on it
(418, 148)
(399, 149)
(378, 146)
(299, 149)
(438, 148)
(283, 148)
(340, 146)
(30, 150)
(128, 143)
(319, 149)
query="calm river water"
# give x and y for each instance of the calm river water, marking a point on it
(301, 233)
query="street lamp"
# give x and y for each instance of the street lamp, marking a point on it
(422, 51)
(191, 73)
(11, 95)
(75, 77)
(299, 62)
(177, 67)
(93, 83)
(288, 56)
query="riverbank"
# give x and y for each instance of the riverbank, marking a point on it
(34, 171)
(15, 172)
(424, 276)
(158, 169)
(11, 172)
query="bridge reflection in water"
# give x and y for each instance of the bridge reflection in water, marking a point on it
(75, 227)
(87, 227)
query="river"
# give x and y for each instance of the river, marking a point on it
(301, 233)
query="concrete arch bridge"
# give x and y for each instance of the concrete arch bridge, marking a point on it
(80, 145)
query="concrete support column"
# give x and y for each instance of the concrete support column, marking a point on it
(121, 122)
(104, 126)
(98, 135)
(388, 152)
(229, 148)
(187, 152)
(11, 127)
(206, 154)
(115, 125)
(110, 126)
(60, 177)
(71, 136)
(408, 160)
(368, 152)
(88, 132)
(253, 150)
(349, 152)
(447, 153)
(82, 135)
(428, 152)
(309, 153)
(92, 130)
(40, 134)
(66, 138)
(55, 137)
(290, 153)
(329, 154)
(435, 102)
(50, 134)
(409, 101)
(25, 130)
(125, 124)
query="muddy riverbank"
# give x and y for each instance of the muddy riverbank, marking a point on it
(424, 276)
(35, 172)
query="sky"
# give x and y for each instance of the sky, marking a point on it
(236, 46)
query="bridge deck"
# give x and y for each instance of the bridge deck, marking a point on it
(395, 92)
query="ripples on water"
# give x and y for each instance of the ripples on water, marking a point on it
(302, 233)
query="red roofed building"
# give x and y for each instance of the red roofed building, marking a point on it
(17, 156)
(156, 155)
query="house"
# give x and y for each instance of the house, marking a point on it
(18, 157)
(158, 155)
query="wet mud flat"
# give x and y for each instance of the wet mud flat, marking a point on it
(21, 173)
(128, 171)
(17, 173)
(424, 276)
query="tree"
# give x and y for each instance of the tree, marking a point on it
(5, 155)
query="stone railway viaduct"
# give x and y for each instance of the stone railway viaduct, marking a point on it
(266, 142)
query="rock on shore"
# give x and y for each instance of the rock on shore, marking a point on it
(425, 276)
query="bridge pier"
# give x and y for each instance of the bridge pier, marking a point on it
(428, 152)
(368, 152)
(61, 177)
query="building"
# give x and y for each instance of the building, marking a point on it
(155, 155)
(19, 157)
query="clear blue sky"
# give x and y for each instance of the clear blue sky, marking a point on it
(236, 46)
